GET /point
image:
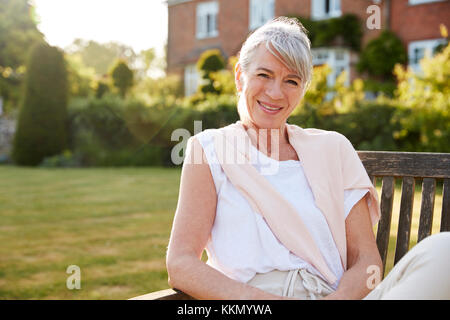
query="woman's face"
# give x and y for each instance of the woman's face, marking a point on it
(270, 89)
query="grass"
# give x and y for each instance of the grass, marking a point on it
(114, 223)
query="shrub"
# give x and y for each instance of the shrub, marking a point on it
(65, 160)
(41, 127)
(101, 89)
(210, 61)
(381, 55)
(122, 77)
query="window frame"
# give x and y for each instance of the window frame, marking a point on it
(418, 2)
(205, 10)
(334, 12)
(267, 5)
(191, 79)
(329, 56)
(429, 44)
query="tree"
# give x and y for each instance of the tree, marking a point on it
(149, 64)
(210, 61)
(41, 129)
(18, 31)
(381, 55)
(100, 56)
(81, 78)
(122, 77)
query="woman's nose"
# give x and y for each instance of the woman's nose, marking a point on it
(274, 90)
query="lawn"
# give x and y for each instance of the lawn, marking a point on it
(113, 223)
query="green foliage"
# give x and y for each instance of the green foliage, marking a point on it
(425, 104)
(209, 61)
(18, 31)
(122, 77)
(223, 80)
(65, 160)
(150, 64)
(99, 56)
(381, 55)
(41, 128)
(345, 31)
(169, 86)
(112, 131)
(386, 87)
(81, 78)
(101, 134)
(101, 89)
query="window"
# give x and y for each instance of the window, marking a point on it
(261, 11)
(191, 79)
(419, 49)
(207, 19)
(324, 9)
(338, 59)
(414, 2)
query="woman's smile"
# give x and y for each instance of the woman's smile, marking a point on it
(269, 108)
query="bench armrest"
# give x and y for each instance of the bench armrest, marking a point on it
(168, 294)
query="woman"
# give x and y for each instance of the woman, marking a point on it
(303, 228)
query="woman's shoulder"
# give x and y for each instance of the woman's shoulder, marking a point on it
(206, 136)
(325, 136)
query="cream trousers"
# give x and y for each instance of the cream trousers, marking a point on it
(423, 273)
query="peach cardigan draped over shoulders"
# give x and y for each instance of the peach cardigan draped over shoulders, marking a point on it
(331, 165)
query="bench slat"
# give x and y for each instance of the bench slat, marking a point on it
(426, 209)
(445, 215)
(404, 224)
(384, 226)
(406, 164)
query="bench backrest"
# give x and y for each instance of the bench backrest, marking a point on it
(409, 167)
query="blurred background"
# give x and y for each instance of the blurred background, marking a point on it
(91, 91)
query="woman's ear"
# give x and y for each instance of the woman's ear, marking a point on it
(237, 77)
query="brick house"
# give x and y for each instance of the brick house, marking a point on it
(198, 25)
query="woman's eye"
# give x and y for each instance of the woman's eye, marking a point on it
(263, 75)
(293, 82)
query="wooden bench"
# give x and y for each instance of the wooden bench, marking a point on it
(409, 167)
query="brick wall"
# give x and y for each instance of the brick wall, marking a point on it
(419, 22)
(410, 23)
(184, 47)
(289, 7)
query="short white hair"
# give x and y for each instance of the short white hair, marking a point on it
(287, 40)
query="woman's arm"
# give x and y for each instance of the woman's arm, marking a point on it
(191, 229)
(362, 253)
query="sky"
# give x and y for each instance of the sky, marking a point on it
(140, 24)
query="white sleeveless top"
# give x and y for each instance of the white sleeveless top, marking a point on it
(241, 243)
